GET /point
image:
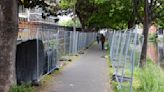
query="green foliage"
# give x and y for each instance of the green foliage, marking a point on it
(102, 13)
(97, 1)
(70, 23)
(152, 37)
(65, 4)
(159, 13)
(22, 88)
(113, 14)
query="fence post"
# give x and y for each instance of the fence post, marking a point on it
(37, 36)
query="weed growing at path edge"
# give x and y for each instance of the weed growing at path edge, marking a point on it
(22, 88)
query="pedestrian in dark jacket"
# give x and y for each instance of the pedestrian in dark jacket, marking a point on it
(102, 39)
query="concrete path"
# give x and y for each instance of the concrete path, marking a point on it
(88, 74)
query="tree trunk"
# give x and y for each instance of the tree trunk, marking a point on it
(145, 33)
(8, 36)
(82, 18)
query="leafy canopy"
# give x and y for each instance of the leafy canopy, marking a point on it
(103, 13)
(113, 14)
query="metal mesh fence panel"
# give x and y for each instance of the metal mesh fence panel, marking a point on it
(125, 49)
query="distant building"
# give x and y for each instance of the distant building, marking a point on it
(32, 19)
(35, 14)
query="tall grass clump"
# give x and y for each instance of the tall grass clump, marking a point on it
(151, 79)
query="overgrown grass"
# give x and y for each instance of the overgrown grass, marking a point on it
(151, 79)
(147, 79)
(22, 88)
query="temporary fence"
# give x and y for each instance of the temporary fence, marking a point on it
(125, 49)
(39, 50)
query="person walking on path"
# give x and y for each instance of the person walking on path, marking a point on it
(102, 39)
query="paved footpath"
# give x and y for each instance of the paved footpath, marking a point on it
(88, 74)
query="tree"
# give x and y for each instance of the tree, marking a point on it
(111, 14)
(83, 8)
(8, 37)
(103, 13)
(153, 12)
(120, 14)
